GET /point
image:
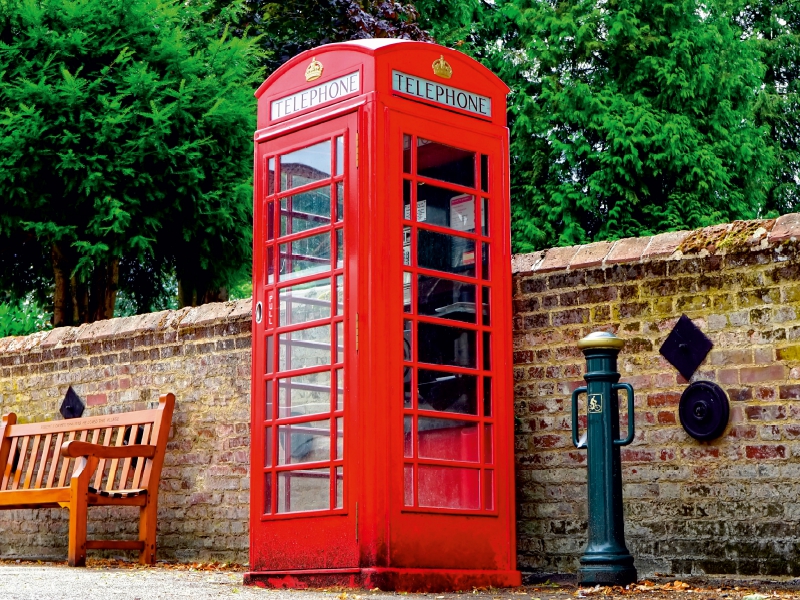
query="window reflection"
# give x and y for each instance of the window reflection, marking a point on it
(305, 348)
(447, 439)
(308, 489)
(448, 253)
(306, 165)
(442, 345)
(305, 256)
(448, 487)
(305, 302)
(306, 211)
(447, 392)
(445, 298)
(446, 208)
(304, 442)
(445, 163)
(304, 395)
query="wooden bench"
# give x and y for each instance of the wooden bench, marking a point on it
(115, 460)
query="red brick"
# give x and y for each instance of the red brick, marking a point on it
(789, 392)
(743, 432)
(765, 413)
(638, 455)
(664, 399)
(664, 244)
(757, 374)
(786, 227)
(666, 417)
(728, 376)
(96, 399)
(765, 452)
(627, 250)
(590, 255)
(556, 259)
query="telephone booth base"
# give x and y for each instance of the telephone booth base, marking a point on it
(387, 579)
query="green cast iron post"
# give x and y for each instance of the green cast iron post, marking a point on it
(606, 560)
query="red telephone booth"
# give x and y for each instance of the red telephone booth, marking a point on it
(382, 423)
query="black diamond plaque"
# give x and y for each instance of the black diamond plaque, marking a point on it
(686, 347)
(71, 406)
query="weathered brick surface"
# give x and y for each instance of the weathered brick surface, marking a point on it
(203, 356)
(727, 506)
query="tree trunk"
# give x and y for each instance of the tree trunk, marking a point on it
(103, 294)
(61, 295)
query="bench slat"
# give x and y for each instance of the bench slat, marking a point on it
(112, 472)
(32, 462)
(101, 466)
(9, 462)
(137, 476)
(44, 461)
(126, 463)
(23, 449)
(62, 478)
(54, 461)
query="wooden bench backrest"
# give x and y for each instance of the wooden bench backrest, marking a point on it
(30, 453)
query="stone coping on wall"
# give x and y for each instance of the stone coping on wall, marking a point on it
(733, 237)
(183, 322)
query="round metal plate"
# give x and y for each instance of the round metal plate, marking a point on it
(704, 410)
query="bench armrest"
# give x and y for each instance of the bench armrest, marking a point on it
(75, 449)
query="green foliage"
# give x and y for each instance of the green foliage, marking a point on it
(126, 137)
(23, 318)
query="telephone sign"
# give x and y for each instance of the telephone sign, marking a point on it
(382, 412)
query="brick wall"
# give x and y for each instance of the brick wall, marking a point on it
(726, 506)
(203, 356)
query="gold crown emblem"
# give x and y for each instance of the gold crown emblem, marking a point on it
(442, 68)
(314, 70)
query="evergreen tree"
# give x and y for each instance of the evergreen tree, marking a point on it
(125, 136)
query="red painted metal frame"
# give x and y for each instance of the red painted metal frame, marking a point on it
(374, 539)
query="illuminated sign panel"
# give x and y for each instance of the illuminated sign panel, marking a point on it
(319, 94)
(441, 94)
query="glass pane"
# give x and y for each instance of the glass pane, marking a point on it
(484, 261)
(305, 211)
(340, 201)
(270, 220)
(406, 245)
(339, 155)
(304, 442)
(304, 395)
(270, 360)
(340, 341)
(448, 487)
(447, 392)
(408, 437)
(305, 302)
(448, 253)
(271, 177)
(339, 487)
(268, 446)
(305, 256)
(339, 439)
(339, 248)
(445, 298)
(445, 163)
(339, 389)
(309, 489)
(408, 355)
(487, 350)
(446, 208)
(340, 294)
(305, 348)
(486, 307)
(488, 490)
(406, 200)
(306, 165)
(408, 485)
(267, 493)
(445, 439)
(441, 345)
(485, 216)
(487, 396)
(406, 153)
(406, 292)
(270, 264)
(268, 407)
(488, 444)
(484, 173)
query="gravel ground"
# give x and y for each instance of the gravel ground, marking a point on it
(119, 581)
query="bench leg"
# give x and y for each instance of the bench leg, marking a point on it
(147, 532)
(79, 509)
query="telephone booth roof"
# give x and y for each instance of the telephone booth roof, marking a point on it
(377, 62)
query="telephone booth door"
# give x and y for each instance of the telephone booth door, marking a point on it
(301, 417)
(455, 346)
